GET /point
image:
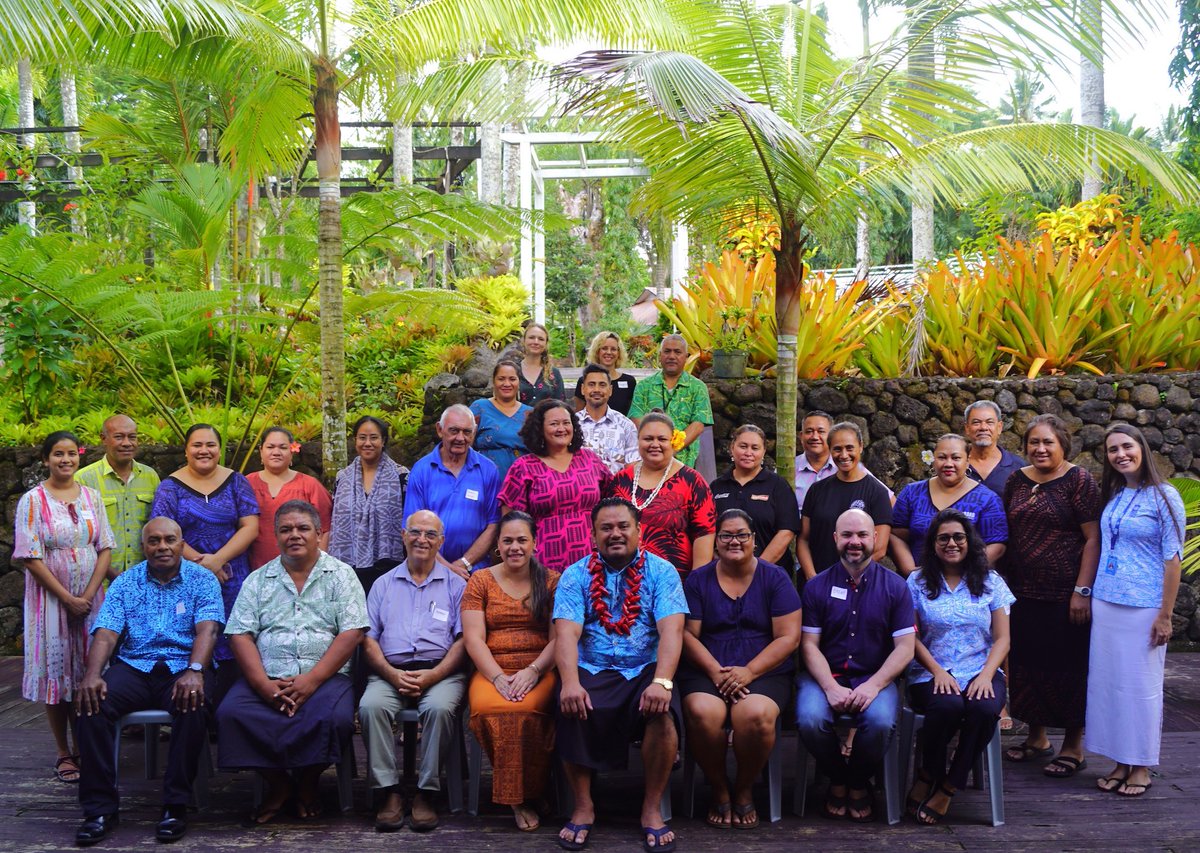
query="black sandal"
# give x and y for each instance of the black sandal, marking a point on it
(866, 801)
(833, 801)
(913, 804)
(69, 773)
(930, 816)
(1064, 767)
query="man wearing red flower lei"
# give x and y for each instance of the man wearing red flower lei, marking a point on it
(618, 627)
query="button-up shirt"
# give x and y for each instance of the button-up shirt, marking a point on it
(858, 623)
(415, 621)
(1140, 530)
(807, 476)
(999, 475)
(661, 596)
(157, 621)
(293, 630)
(687, 403)
(465, 503)
(612, 437)
(127, 506)
(956, 626)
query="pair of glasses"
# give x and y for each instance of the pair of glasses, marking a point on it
(734, 537)
(947, 538)
(424, 534)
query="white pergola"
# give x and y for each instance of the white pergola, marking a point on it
(534, 173)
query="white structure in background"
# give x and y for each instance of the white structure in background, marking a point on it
(534, 173)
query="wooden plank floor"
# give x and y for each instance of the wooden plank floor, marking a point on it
(37, 813)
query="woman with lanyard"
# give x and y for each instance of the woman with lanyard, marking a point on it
(763, 495)
(1142, 533)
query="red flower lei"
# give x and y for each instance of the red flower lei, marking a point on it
(631, 606)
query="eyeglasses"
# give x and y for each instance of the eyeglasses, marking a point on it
(734, 537)
(947, 538)
(431, 535)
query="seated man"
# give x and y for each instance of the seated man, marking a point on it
(157, 629)
(858, 636)
(618, 627)
(292, 630)
(415, 650)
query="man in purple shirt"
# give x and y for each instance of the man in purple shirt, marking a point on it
(858, 636)
(414, 647)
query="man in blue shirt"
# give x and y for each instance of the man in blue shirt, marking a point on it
(859, 634)
(618, 629)
(459, 486)
(157, 629)
(987, 461)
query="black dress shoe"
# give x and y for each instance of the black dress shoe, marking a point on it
(96, 829)
(173, 825)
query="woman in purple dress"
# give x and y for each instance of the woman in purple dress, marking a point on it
(557, 482)
(215, 508)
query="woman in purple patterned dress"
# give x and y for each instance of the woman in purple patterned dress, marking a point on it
(215, 508)
(557, 482)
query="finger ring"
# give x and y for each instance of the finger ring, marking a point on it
(194, 692)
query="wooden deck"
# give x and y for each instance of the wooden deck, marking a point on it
(39, 813)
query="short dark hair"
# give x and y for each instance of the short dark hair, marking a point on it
(731, 514)
(54, 438)
(298, 506)
(384, 429)
(609, 503)
(595, 368)
(195, 428)
(283, 430)
(1056, 425)
(532, 433)
(817, 413)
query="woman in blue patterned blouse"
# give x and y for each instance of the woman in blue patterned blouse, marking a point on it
(962, 638)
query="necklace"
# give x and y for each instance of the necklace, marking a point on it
(637, 475)
(631, 603)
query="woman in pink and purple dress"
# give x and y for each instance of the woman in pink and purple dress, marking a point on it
(557, 482)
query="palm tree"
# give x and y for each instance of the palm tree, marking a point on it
(729, 122)
(1026, 101)
(1091, 86)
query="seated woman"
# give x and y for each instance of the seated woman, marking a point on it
(506, 628)
(742, 630)
(292, 630)
(962, 639)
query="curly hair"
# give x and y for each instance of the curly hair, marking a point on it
(593, 350)
(533, 434)
(975, 567)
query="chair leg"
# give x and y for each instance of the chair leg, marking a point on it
(995, 763)
(689, 784)
(775, 775)
(346, 771)
(891, 781)
(474, 772)
(150, 737)
(410, 751)
(906, 735)
(800, 796)
(454, 768)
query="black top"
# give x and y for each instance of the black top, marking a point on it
(622, 392)
(532, 393)
(995, 481)
(769, 502)
(829, 498)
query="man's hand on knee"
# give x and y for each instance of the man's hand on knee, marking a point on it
(656, 700)
(575, 702)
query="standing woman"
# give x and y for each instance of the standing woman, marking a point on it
(539, 381)
(761, 494)
(557, 483)
(679, 518)
(851, 487)
(608, 351)
(949, 487)
(215, 508)
(368, 504)
(1141, 534)
(962, 637)
(1050, 565)
(63, 538)
(275, 485)
(506, 628)
(500, 418)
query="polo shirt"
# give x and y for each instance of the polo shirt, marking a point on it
(767, 499)
(995, 481)
(156, 621)
(858, 623)
(807, 475)
(415, 622)
(686, 404)
(465, 503)
(127, 506)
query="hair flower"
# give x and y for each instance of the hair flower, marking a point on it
(927, 457)
(294, 447)
(678, 440)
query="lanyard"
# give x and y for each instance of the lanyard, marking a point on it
(1114, 524)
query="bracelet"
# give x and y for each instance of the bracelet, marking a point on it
(497, 675)
(534, 667)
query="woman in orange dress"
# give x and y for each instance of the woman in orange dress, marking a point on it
(506, 627)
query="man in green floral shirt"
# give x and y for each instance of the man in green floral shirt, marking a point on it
(682, 396)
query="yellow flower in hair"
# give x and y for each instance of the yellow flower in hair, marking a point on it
(678, 440)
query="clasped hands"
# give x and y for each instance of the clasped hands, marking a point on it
(846, 700)
(516, 687)
(286, 695)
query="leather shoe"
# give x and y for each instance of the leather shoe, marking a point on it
(173, 825)
(95, 829)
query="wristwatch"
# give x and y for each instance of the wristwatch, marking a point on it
(466, 563)
(665, 683)
(1085, 591)
(196, 667)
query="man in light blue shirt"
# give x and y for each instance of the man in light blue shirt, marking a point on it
(618, 629)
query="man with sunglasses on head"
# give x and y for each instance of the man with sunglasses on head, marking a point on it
(414, 649)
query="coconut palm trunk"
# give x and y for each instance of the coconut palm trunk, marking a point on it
(26, 210)
(789, 278)
(1091, 87)
(70, 109)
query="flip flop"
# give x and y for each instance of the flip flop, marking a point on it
(1066, 767)
(719, 810)
(1026, 752)
(833, 801)
(70, 773)
(859, 803)
(659, 845)
(743, 811)
(1111, 783)
(575, 828)
(1124, 789)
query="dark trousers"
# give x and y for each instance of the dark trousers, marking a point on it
(945, 714)
(131, 690)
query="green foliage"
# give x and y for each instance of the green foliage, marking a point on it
(503, 301)
(1189, 490)
(36, 343)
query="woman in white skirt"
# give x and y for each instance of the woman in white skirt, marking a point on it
(1142, 532)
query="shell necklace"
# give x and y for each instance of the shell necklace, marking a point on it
(637, 475)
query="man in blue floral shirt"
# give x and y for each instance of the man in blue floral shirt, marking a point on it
(618, 626)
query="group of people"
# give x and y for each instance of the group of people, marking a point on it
(569, 578)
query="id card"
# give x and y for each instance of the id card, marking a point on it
(180, 609)
(472, 495)
(1110, 567)
(838, 592)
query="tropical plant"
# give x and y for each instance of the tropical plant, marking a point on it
(1189, 490)
(36, 346)
(504, 303)
(958, 309)
(889, 350)
(1085, 224)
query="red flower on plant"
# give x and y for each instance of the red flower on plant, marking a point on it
(21, 173)
(69, 206)
(3, 175)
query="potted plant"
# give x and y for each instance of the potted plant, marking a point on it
(730, 344)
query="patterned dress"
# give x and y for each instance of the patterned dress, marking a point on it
(66, 537)
(208, 522)
(560, 502)
(680, 513)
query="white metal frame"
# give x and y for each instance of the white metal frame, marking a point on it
(533, 176)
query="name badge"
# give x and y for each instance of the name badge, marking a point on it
(838, 592)
(179, 608)
(760, 497)
(721, 496)
(621, 383)
(969, 514)
(1110, 566)
(87, 515)
(472, 495)
(440, 614)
